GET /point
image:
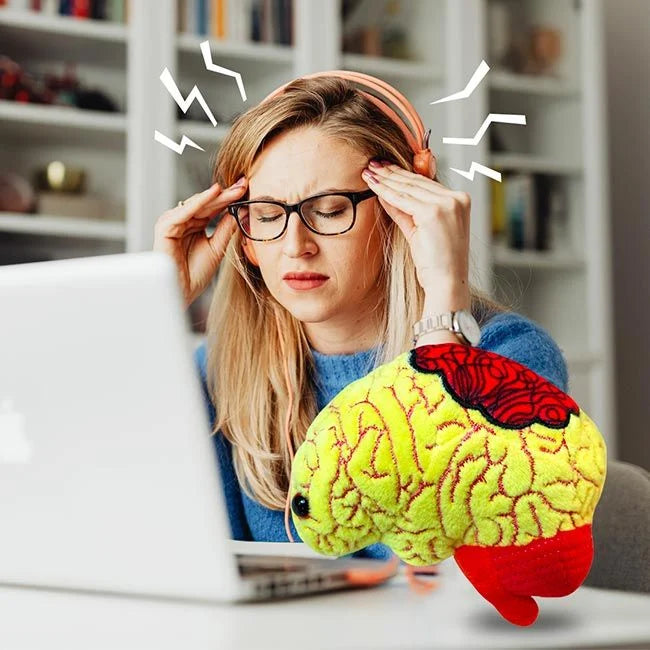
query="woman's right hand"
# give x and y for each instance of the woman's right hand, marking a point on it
(180, 232)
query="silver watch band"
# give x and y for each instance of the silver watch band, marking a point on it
(443, 321)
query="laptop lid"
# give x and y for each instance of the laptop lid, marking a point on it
(108, 479)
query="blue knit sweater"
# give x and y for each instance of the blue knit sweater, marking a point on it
(508, 334)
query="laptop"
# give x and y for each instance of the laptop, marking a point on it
(108, 477)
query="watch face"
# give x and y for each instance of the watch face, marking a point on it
(469, 327)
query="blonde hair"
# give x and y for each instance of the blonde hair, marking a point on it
(244, 359)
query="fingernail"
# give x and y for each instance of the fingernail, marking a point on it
(240, 182)
(375, 164)
(369, 175)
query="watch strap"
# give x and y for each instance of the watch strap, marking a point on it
(434, 323)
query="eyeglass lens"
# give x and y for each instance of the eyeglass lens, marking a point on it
(328, 215)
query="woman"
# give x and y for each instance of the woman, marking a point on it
(404, 256)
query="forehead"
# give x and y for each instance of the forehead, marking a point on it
(305, 161)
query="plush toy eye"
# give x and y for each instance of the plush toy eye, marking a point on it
(300, 505)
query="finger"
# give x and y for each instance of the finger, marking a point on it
(204, 205)
(401, 184)
(396, 197)
(401, 218)
(393, 170)
(423, 189)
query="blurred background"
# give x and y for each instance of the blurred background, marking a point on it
(563, 238)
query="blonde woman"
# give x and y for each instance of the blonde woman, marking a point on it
(389, 247)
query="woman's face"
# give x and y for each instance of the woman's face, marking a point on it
(295, 165)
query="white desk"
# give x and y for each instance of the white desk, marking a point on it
(390, 616)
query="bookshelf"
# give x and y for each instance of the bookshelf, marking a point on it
(566, 289)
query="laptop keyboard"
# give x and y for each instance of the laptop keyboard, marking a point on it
(256, 564)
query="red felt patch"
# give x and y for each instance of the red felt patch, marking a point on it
(508, 393)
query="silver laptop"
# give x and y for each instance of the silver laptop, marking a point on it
(108, 476)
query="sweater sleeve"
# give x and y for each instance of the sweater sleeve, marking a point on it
(223, 450)
(523, 340)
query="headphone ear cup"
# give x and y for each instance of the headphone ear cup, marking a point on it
(250, 254)
(424, 163)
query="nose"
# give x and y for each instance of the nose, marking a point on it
(296, 235)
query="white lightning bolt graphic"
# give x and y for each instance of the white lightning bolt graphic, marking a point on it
(170, 144)
(209, 65)
(492, 117)
(476, 167)
(173, 90)
(476, 79)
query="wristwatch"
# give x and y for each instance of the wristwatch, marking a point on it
(460, 322)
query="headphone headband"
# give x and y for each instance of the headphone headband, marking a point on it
(380, 93)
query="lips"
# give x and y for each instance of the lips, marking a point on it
(303, 276)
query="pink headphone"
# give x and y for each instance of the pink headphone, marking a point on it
(411, 125)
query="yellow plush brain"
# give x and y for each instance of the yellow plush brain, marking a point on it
(447, 447)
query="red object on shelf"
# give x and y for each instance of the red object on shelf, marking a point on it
(81, 8)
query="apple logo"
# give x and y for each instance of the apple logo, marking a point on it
(14, 446)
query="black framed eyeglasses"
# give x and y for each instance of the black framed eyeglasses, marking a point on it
(328, 213)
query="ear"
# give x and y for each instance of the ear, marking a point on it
(248, 251)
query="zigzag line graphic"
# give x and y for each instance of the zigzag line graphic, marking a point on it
(492, 117)
(170, 144)
(207, 59)
(476, 167)
(476, 79)
(172, 88)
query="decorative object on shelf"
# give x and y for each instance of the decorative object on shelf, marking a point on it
(84, 206)
(394, 41)
(107, 10)
(48, 88)
(364, 33)
(451, 450)
(536, 50)
(59, 177)
(16, 193)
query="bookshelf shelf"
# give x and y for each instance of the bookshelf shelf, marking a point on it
(40, 224)
(532, 163)
(259, 53)
(387, 67)
(72, 39)
(549, 260)
(34, 24)
(582, 359)
(20, 120)
(529, 84)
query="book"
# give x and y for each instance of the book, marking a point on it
(98, 10)
(80, 8)
(256, 21)
(520, 210)
(191, 25)
(498, 206)
(218, 10)
(201, 17)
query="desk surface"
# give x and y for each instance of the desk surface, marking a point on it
(390, 616)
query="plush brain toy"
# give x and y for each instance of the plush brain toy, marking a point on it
(454, 450)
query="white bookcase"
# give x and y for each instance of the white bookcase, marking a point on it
(567, 290)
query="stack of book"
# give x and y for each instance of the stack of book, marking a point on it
(111, 10)
(268, 21)
(523, 205)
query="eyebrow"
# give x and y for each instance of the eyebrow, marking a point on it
(327, 189)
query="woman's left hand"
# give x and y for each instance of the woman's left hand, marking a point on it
(434, 220)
